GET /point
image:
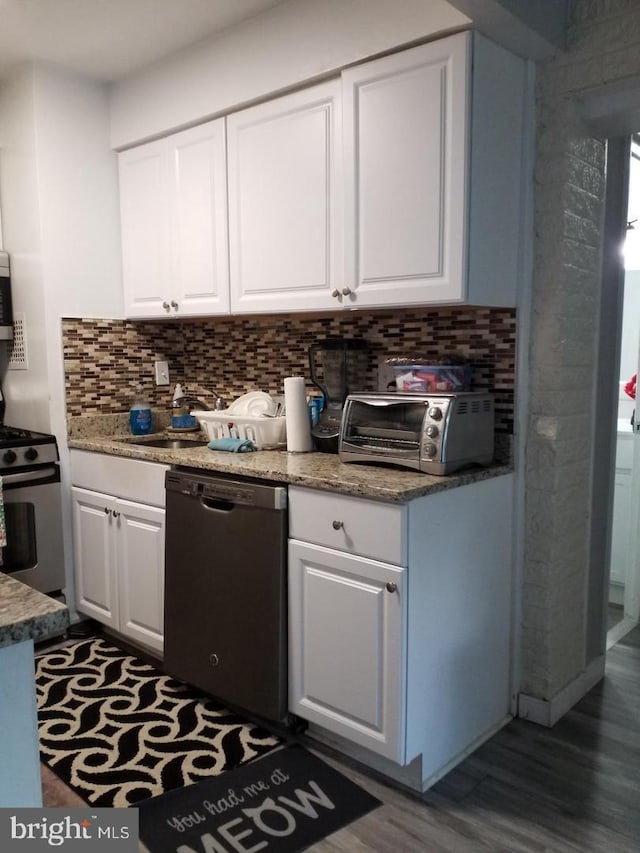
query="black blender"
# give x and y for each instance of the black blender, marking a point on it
(337, 368)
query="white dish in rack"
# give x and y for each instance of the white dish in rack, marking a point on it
(253, 403)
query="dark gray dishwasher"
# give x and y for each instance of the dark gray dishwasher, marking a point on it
(225, 623)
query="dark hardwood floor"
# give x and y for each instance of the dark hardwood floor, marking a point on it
(575, 787)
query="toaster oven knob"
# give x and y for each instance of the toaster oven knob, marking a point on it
(432, 431)
(31, 454)
(435, 413)
(431, 450)
(9, 457)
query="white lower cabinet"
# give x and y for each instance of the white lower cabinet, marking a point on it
(400, 623)
(118, 544)
(119, 549)
(347, 645)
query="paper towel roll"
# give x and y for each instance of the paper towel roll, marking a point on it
(297, 415)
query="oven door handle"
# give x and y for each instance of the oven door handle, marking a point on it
(28, 476)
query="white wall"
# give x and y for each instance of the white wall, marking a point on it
(27, 391)
(295, 42)
(79, 213)
(60, 217)
(59, 198)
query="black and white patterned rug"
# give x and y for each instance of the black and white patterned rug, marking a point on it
(117, 731)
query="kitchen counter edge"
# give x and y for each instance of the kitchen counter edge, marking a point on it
(26, 614)
(322, 471)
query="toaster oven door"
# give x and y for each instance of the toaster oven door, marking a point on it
(379, 429)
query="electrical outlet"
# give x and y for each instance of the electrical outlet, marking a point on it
(162, 372)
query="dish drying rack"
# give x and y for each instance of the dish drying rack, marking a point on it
(264, 431)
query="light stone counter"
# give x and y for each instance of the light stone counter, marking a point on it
(26, 614)
(108, 434)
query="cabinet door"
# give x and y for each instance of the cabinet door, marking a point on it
(285, 202)
(347, 646)
(144, 222)
(405, 122)
(96, 583)
(198, 205)
(140, 560)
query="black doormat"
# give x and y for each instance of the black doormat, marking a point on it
(282, 803)
(118, 731)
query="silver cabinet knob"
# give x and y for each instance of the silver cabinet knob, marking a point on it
(116, 514)
(335, 293)
(214, 660)
(337, 524)
(174, 304)
(166, 306)
(107, 511)
(346, 291)
(392, 587)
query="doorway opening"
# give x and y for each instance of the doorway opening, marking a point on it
(624, 562)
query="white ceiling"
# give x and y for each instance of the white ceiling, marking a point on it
(108, 39)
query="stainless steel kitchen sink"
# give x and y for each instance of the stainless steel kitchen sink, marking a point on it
(170, 443)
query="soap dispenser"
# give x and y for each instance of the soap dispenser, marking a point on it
(140, 413)
(180, 417)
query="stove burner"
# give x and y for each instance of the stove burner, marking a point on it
(7, 432)
(15, 435)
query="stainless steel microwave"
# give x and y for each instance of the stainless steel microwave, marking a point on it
(6, 308)
(434, 433)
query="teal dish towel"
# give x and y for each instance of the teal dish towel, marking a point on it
(233, 445)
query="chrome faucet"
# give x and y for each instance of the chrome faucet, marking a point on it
(194, 403)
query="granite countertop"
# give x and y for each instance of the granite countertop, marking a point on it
(106, 434)
(27, 614)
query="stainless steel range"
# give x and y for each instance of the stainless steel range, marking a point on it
(32, 504)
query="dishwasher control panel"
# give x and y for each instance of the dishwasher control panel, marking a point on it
(199, 484)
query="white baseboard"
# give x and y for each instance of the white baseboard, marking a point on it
(616, 592)
(465, 753)
(547, 712)
(620, 630)
(411, 775)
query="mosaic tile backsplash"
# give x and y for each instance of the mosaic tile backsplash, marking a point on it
(228, 356)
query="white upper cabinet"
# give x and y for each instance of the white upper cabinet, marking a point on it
(173, 198)
(399, 183)
(405, 142)
(145, 229)
(433, 175)
(285, 202)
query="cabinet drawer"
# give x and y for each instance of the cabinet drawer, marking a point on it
(354, 525)
(131, 479)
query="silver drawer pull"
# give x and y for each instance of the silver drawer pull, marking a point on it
(392, 587)
(214, 660)
(337, 525)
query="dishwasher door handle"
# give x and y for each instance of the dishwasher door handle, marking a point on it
(216, 504)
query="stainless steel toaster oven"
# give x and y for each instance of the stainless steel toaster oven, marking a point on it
(435, 433)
